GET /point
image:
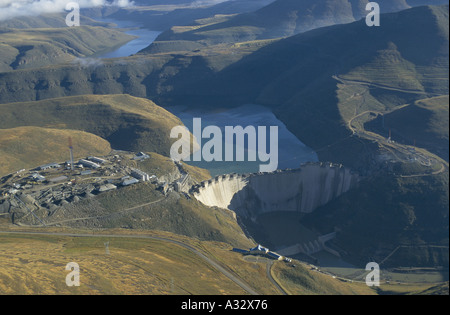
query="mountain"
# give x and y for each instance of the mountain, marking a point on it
(424, 124)
(386, 212)
(30, 47)
(328, 85)
(28, 147)
(284, 18)
(47, 21)
(339, 89)
(310, 80)
(302, 77)
(160, 17)
(126, 122)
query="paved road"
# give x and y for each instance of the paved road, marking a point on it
(380, 140)
(218, 267)
(382, 86)
(269, 263)
(269, 275)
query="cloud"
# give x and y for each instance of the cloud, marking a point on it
(10, 9)
(199, 3)
(88, 62)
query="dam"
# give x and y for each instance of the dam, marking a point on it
(300, 190)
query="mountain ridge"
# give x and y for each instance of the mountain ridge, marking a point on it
(284, 18)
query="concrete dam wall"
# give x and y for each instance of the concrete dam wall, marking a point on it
(299, 190)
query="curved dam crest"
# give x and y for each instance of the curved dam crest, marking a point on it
(301, 190)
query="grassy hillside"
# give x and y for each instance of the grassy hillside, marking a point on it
(46, 21)
(127, 122)
(386, 212)
(163, 267)
(300, 281)
(38, 47)
(142, 207)
(424, 122)
(28, 147)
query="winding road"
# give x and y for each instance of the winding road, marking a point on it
(424, 158)
(195, 251)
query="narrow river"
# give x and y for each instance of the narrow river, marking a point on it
(144, 38)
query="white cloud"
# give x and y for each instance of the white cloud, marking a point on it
(10, 9)
(88, 62)
(199, 3)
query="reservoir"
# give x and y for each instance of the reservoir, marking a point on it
(291, 151)
(144, 38)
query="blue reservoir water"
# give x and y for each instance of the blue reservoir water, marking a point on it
(291, 151)
(145, 38)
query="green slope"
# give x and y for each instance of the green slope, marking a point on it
(127, 122)
(424, 123)
(46, 21)
(164, 267)
(28, 147)
(38, 47)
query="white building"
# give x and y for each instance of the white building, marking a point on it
(131, 181)
(88, 164)
(96, 160)
(49, 166)
(140, 175)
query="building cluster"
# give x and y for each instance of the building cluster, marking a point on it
(52, 185)
(262, 251)
(182, 184)
(141, 156)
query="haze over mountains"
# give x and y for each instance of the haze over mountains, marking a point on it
(162, 16)
(284, 18)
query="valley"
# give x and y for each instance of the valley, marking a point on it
(291, 151)
(143, 38)
(29, 47)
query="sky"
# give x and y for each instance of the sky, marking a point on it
(14, 8)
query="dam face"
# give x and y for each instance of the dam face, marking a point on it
(301, 190)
